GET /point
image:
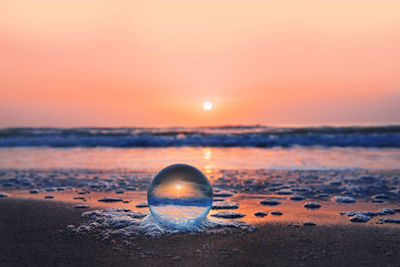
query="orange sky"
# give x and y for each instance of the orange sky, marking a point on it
(153, 63)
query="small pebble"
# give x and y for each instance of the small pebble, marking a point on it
(387, 211)
(276, 213)
(81, 206)
(143, 204)
(50, 189)
(260, 214)
(223, 193)
(312, 205)
(381, 196)
(83, 229)
(270, 202)
(360, 218)
(297, 198)
(344, 199)
(228, 214)
(224, 205)
(176, 258)
(390, 220)
(110, 199)
(285, 192)
(70, 228)
(309, 223)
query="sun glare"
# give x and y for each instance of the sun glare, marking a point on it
(207, 105)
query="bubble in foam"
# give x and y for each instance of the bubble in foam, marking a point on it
(180, 196)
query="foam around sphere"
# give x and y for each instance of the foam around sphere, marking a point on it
(180, 196)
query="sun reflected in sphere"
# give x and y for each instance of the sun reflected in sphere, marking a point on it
(207, 105)
(180, 196)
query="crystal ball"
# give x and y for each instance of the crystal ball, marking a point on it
(180, 196)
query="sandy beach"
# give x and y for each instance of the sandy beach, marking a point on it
(199, 133)
(298, 206)
(33, 233)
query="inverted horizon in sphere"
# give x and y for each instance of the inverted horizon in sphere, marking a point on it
(180, 196)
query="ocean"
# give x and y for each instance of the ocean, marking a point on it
(224, 136)
(208, 148)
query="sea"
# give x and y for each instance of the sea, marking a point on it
(208, 148)
(343, 169)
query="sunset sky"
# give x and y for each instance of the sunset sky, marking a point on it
(74, 63)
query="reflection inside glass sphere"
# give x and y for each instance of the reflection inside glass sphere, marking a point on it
(180, 195)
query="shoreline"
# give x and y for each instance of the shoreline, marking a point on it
(33, 232)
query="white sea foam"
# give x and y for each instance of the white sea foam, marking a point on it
(124, 222)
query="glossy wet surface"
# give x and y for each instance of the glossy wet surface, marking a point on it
(371, 190)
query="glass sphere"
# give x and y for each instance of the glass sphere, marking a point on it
(180, 196)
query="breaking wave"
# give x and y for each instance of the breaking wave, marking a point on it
(226, 136)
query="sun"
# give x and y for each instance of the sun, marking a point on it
(207, 105)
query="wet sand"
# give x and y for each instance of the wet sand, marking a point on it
(368, 190)
(33, 232)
